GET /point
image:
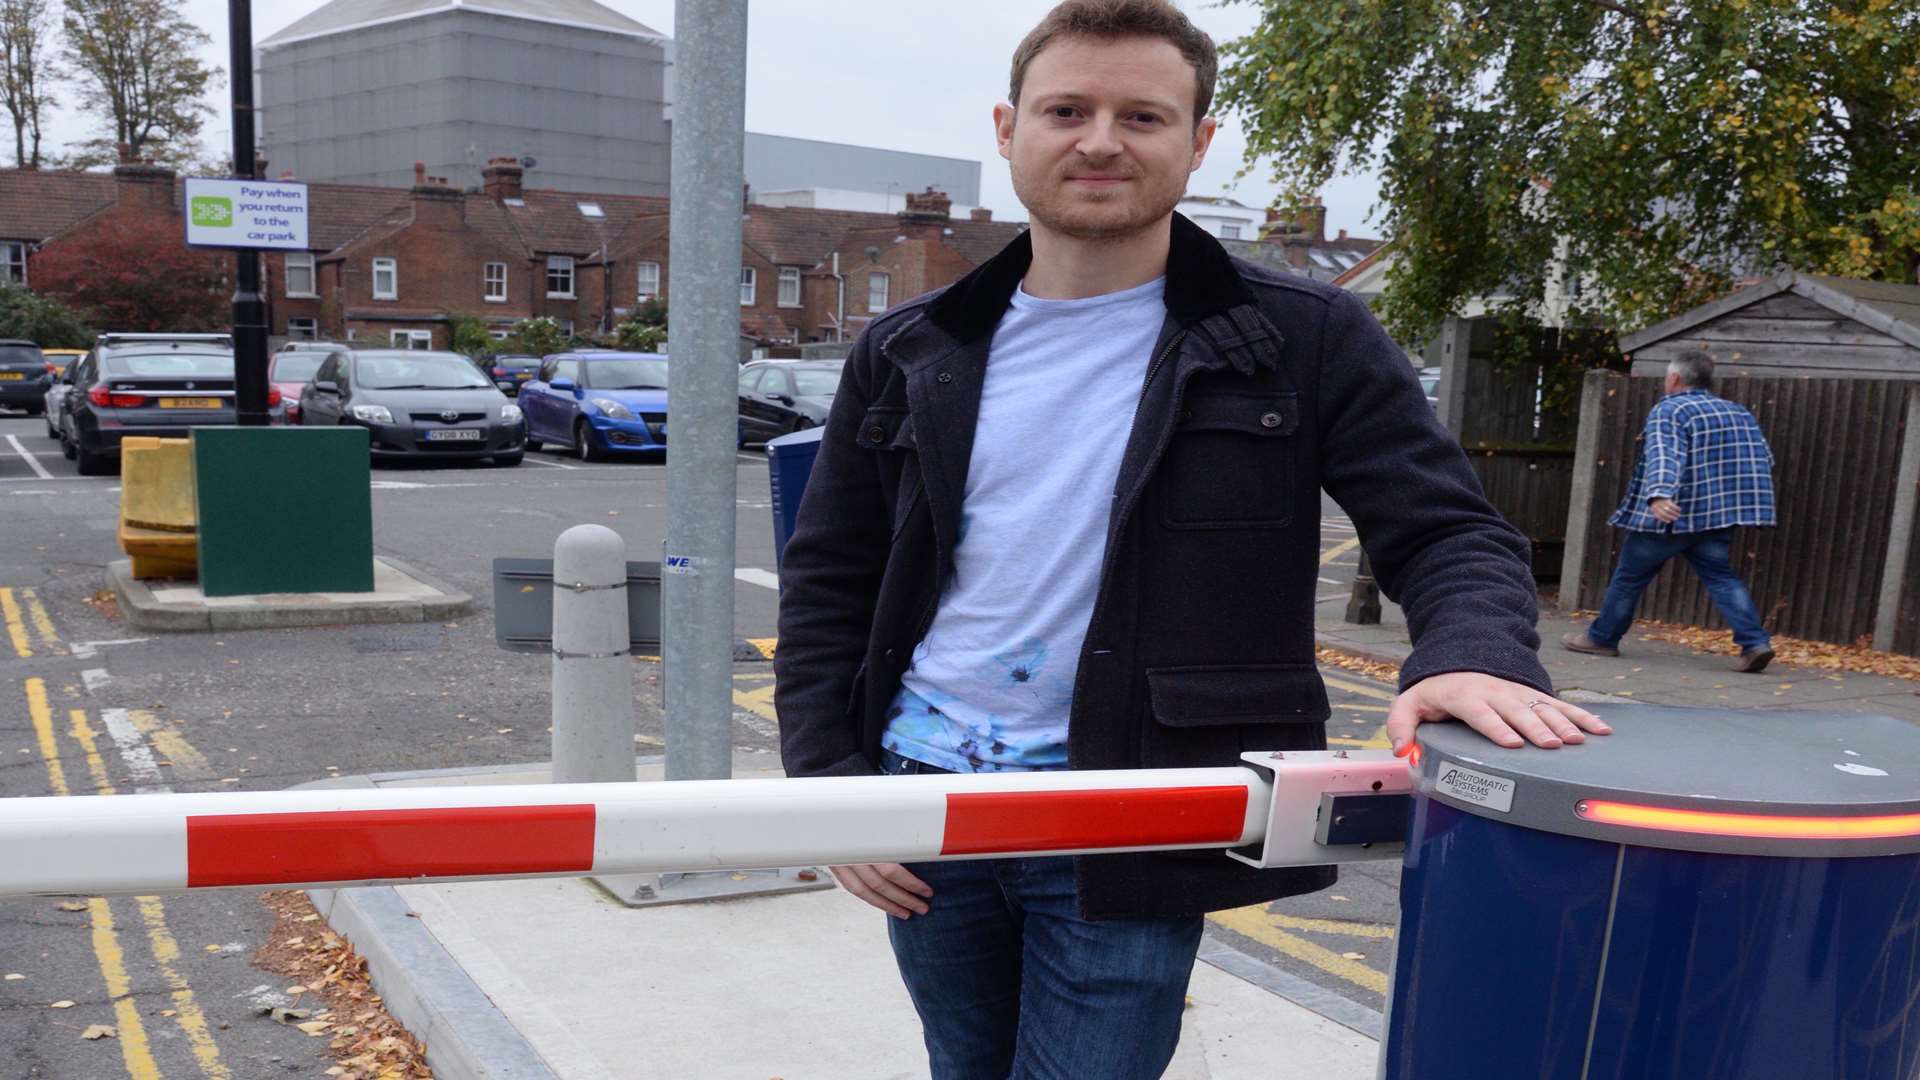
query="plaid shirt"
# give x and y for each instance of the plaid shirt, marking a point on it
(1707, 454)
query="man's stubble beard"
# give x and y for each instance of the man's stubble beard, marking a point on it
(1051, 204)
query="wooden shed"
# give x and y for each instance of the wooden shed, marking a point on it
(1794, 324)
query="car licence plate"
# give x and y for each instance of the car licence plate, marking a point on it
(453, 435)
(189, 402)
(11, 376)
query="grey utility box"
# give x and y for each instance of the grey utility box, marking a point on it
(523, 604)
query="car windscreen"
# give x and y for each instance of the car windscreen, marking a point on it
(816, 382)
(631, 374)
(297, 366)
(516, 363)
(167, 364)
(418, 373)
(19, 354)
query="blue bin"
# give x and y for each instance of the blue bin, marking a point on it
(789, 464)
(1704, 895)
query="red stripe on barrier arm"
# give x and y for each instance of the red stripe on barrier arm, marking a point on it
(354, 845)
(979, 824)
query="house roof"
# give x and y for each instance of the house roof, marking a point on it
(553, 222)
(1890, 308)
(1363, 266)
(36, 204)
(342, 15)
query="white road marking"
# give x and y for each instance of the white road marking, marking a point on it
(551, 464)
(34, 491)
(407, 485)
(766, 579)
(95, 678)
(133, 750)
(86, 650)
(1330, 581)
(39, 470)
(1330, 596)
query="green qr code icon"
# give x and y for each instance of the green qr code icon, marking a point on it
(212, 210)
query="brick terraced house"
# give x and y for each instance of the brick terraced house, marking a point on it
(392, 265)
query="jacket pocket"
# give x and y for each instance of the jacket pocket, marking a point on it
(1230, 464)
(1212, 695)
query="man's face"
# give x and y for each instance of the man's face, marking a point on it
(1103, 139)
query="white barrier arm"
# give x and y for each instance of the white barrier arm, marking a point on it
(103, 845)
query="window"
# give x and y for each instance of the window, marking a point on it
(13, 262)
(1229, 232)
(789, 286)
(746, 286)
(749, 379)
(591, 209)
(560, 277)
(563, 369)
(386, 279)
(303, 329)
(300, 274)
(412, 339)
(877, 292)
(494, 283)
(499, 335)
(649, 281)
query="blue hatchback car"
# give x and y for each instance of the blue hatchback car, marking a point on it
(599, 404)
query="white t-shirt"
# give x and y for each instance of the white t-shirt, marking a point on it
(991, 685)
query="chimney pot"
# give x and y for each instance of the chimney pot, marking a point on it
(1343, 234)
(419, 172)
(981, 213)
(501, 178)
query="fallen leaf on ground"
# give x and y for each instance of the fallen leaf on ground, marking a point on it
(168, 1012)
(1342, 899)
(280, 1014)
(73, 905)
(14, 976)
(99, 1031)
(314, 1027)
(61, 1005)
(1353, 955)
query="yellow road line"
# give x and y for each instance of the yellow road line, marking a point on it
(1253, 922)
(759, 702)
(187, 761)
(166, 951)
(1329, 926)
(43, 733)
(16, 627)
(1338, 550)
(764, 644)
(132, 1037)
(1362, 689)
(37, 612)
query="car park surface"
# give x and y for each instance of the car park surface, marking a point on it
(416, 404)
(599, 404)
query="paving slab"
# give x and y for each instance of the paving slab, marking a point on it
(400, 594)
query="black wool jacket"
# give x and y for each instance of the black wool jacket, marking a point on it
(1263, 389)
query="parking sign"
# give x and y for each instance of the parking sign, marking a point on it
(246, 213)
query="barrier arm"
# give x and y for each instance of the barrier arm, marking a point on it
(1296, 809)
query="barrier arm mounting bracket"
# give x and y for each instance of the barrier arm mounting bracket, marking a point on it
(1330, 806)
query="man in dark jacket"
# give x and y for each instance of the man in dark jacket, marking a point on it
(1065, 514)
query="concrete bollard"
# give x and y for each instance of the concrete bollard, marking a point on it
(592, 672)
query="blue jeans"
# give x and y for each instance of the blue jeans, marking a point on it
(1012, 984)
(1641, 558)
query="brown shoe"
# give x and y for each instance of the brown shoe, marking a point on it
(1579, 642)
(1753, 661)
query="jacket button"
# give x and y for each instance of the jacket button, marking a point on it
(876, 433)
(946, 376)
(889, 654)
(1270, 420)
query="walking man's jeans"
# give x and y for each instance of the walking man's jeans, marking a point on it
(1642, 556)
(1011, 984)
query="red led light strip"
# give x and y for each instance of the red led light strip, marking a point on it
(1770, 826)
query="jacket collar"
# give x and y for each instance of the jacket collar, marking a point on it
(1204, 291)
(1201, 281)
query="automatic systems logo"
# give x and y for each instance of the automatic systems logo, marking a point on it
(215, 211)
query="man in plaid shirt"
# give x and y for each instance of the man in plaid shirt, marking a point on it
(1704, 470)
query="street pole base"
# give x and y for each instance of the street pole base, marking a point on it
(661, 890)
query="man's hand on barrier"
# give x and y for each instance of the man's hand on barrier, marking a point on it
(1509, 713)
(888, 886)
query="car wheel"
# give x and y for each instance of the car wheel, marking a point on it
(583, 442)
(36, 410)
(535, 444)
(66, 446)
(91, 463)
(52, 432)
(803, 423)
(507, 461)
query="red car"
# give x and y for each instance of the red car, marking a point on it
(292, 369)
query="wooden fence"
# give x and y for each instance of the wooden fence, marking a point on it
(1822, 574)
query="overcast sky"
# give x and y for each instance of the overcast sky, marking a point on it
(915, 75)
